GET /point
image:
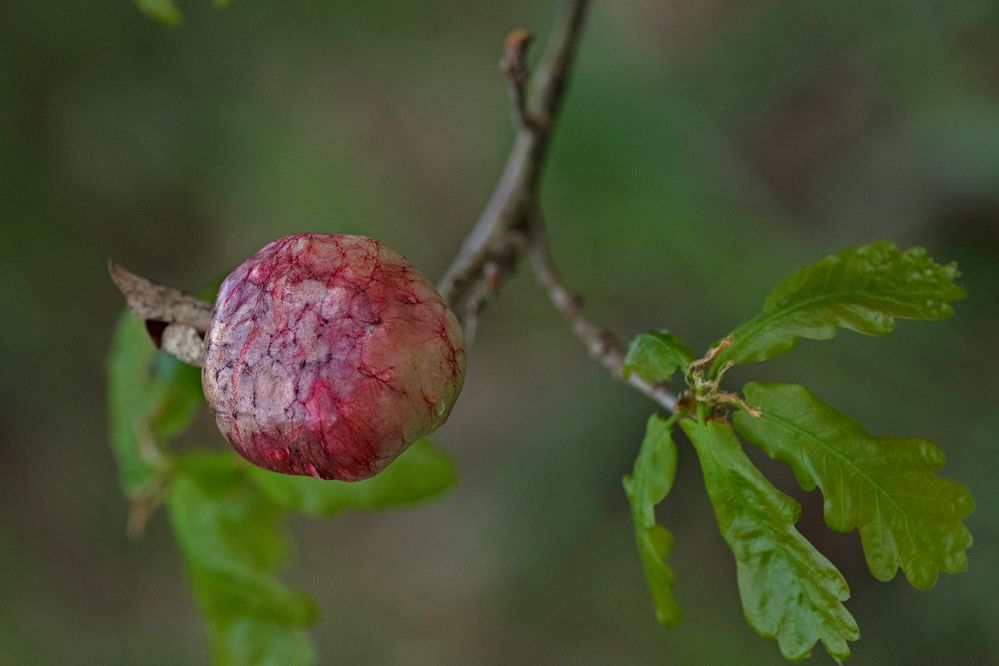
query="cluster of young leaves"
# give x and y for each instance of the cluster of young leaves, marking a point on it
(167, 12)
(227, 515)
(907, 516)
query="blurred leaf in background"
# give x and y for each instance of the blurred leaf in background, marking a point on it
(227, 515)
(167, 12)
(232, 538)
(151, 397)
(422, 471)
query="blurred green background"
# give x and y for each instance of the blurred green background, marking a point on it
(709, 147)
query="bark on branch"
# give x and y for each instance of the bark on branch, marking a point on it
(512, 223)
(602, 345)
(496, 244)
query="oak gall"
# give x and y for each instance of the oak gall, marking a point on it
(327, 355)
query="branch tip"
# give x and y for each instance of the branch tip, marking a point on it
(514, 65)
(515, 47)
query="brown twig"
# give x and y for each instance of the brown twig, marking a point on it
(511, 223)
(514, 65)
(603, 346)
(495, 245)
(146, 501)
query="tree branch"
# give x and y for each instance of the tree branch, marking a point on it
(511, 225)
(603, 346)
(514, 65)
(495, 245)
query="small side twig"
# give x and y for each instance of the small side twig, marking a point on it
(602, 345)
(146, 501)
(144, 506)
(514, 65)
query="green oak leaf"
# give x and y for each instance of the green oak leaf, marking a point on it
(422, 471)
(789, 590)
(907, 516)
(862, 289)
(232, 539)
(646, 487)
(656, 356)
(151, 397)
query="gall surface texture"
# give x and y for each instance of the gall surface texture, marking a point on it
(328, 355)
